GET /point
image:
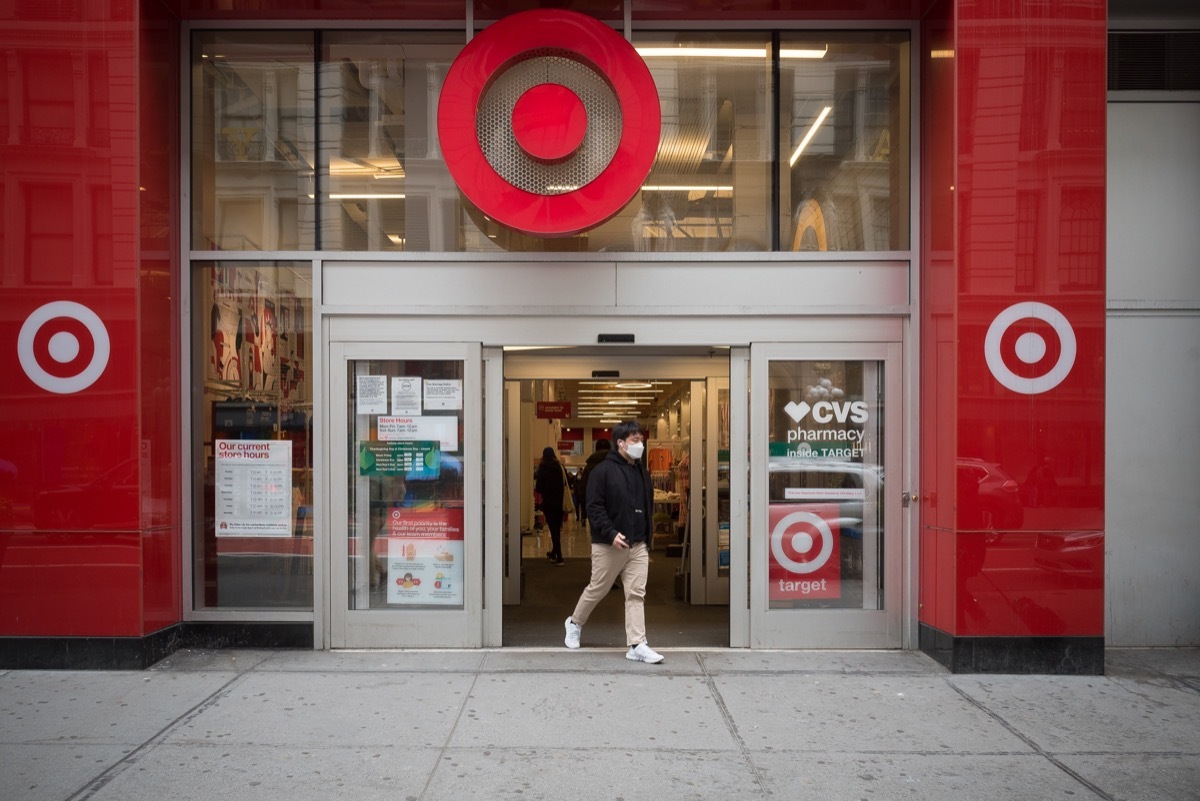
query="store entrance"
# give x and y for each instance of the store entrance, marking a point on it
(569, 401)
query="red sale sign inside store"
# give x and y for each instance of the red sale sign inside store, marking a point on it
(805, 557)
(425, 556)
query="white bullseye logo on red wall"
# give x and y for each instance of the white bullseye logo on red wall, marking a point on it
(1030, 347)
(805, 558)
(63, 347)
(549, 122)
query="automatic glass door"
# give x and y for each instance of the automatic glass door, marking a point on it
(405, 495)
(826, 541)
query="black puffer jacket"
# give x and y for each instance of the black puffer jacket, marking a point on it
(619, 500)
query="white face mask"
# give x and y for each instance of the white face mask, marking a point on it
(634, 449)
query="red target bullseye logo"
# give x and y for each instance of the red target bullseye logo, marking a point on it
(63, 347)
(1030, 347)
(802, 542)
(549, 122)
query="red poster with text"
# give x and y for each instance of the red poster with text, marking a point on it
(425, 556)
(805, 555)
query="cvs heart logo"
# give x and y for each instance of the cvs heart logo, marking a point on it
(796, 411)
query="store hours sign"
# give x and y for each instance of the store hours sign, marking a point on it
(253, 488)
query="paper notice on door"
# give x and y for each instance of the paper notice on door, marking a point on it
(371, 397)
(425, 557)
(406, 395)
(443, 394)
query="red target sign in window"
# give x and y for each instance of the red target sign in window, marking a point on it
(805, 552)
(549, 122)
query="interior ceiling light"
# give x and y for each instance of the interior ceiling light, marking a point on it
(664, 188)
(702, 52)
(808, 136)
(367, 196)
(730, 52)
(803, 52)
(634, 385)
(624, 393)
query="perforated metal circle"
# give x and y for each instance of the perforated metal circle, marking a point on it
(499, 145)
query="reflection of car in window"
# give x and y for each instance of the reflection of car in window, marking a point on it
(999, 498)
(109, 499)
(853, 486)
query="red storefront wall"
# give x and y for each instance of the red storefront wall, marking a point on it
(89, 465)
(1012, 425)
(1012, 124)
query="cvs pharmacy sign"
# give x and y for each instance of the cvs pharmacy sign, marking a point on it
(829, 411)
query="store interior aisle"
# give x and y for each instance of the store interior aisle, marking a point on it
(549, 594)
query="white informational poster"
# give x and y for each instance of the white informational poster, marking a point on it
(371, 397)
(443, 394)
(436, 429)
(425, 557)
(254, 488)
(406, 396)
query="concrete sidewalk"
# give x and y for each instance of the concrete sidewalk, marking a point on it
(537, 724)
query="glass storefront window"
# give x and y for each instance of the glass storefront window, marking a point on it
(384, 184)
(262, 101)
(253, 109)
(406, 487)
(710, 187)
(844, 142)
(252, 418)
(825, 496)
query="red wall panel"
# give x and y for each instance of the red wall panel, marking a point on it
(159, 335)
(1030, 426)
(82, 483)
(939, 299)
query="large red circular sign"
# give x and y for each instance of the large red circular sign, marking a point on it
(545, 178)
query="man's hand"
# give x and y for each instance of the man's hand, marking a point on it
(619, 541)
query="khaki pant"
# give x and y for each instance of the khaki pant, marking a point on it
(632, 565)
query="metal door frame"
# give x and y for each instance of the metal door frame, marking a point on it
(828, 628)
(389, 628)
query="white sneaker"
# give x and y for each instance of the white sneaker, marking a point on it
(573, 632)
(643, 653)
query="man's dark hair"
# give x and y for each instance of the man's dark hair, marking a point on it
(603, 445)
(626, 429)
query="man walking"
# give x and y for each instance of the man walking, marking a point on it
(619, 504)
